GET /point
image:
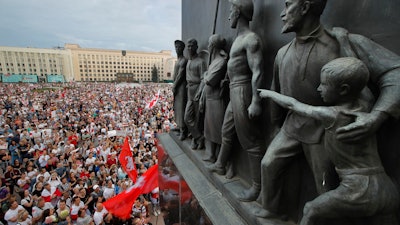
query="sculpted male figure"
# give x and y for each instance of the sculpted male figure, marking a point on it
(243, 114)
(195, 69)
(296, 74)
(179, 89)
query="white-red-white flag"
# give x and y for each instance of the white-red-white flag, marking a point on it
(121, 205)
(153, 101)
(127, 161)
(48, 195)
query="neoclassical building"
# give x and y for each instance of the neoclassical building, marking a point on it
(35, 64)
(107, 65)
(73, 63)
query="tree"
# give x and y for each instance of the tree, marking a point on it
(154, 74)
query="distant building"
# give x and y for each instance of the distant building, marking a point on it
(35, 65)
(73, 63)
(121, 66)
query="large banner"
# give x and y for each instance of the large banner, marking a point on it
(55, 78)
(16, 78)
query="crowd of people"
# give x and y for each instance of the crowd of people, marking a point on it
(59, 147)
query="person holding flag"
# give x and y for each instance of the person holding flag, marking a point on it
(51, 194)
(127, 161)
(121, 205)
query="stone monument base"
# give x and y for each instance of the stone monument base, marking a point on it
(217, 195)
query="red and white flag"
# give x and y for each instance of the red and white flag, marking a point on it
(178, 185)
(127, 161)
(121, 205)
(153, 101)
(47, 195)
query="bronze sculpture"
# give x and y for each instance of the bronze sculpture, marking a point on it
(213, 101)
(295, 172)
(296, 74)
(243, 115)
(195, 69)
(179, 89)
(364, 188)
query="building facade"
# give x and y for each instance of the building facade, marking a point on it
(109, 65)
(35, 65)
(73, 63)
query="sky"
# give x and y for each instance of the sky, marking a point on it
(139, 25)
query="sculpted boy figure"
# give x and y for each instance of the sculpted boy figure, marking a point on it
(296, 74)
(364, 188)
(243, 114)
(195, 69)
(179, 89)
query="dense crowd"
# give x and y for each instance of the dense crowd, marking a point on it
(59, 147)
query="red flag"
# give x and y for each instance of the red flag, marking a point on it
(166, 182)
(160, 151)
(178, 185)
(121, 205)
(47, 198)
(57, 193)
(127, 161)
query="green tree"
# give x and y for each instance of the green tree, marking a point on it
(154, 74)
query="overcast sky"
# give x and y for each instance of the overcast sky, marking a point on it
(142, 25)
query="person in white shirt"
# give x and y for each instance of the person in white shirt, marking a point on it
(75, 207)
(75, 169)
(49, 194)
(37, 135)
(84, 218)
(24, 218)
(62, 210)
(32, 173)
(44, 174)
(108, 190)
(100, 213)
(54, 180)
(23, 182)
(105, 151)
(90, 161)
(43, 159)
(38, 209)
(11, 215)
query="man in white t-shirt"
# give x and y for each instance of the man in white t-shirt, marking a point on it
(44, 174)
(11, 215)
(90, 161)
(38, 209)
(100, 213)
(36, 135)
(77, 204)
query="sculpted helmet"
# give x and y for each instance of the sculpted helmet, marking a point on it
(246, 8)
